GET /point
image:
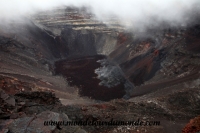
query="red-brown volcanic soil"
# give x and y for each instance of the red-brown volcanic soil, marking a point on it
(80, 72)
(193, 126)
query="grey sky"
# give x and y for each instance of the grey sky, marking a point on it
(138, 13)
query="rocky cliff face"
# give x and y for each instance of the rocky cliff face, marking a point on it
(81, 30)
(86, 62)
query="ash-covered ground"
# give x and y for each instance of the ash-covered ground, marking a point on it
(56, 69)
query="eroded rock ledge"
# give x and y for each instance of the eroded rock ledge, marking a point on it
(164, 68)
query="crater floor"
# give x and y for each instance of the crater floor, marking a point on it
(50, 72)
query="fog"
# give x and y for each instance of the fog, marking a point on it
(137, 14)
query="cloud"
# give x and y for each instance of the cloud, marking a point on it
(133, 13)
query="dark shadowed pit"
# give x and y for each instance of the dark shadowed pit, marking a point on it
(80, 72)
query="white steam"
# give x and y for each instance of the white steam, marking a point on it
(134, 13)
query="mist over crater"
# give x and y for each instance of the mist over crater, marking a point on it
(99, 60)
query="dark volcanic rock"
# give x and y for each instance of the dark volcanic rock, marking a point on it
(36, 124)
(81, 72)
(38, 97)
(164, 68)
(78, 43)
(193, 126)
